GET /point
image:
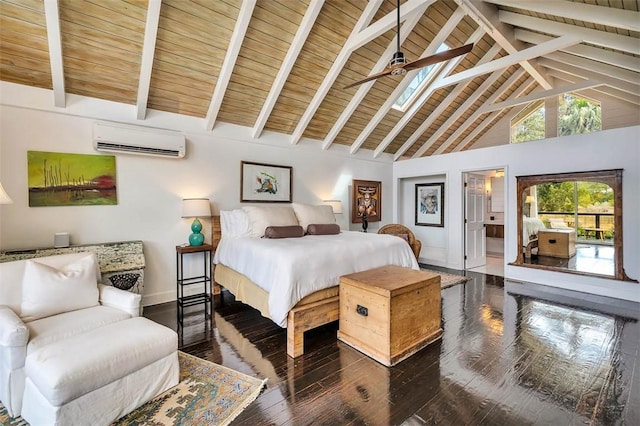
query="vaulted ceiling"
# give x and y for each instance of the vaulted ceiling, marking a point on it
(281, 65)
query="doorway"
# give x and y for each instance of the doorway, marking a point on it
(484, 221)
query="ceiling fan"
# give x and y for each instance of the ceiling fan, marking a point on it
(399, 65)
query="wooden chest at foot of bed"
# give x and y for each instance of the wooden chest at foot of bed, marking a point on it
(557, 243)
(390, 313)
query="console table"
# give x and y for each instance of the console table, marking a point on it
(121, 263)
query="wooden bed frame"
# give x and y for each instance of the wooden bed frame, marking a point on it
(302, 317)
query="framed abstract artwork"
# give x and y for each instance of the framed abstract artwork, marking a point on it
(265, 183)
(367, 201)
(60, 179)
(429, 204)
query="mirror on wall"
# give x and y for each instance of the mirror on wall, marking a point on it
(572, 222)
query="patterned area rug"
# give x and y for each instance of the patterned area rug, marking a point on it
(208, 394)
(448, 280)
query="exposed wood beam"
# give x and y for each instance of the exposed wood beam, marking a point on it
(424, 96)
(610, 16)
(574, 87)
(440, 38)
(487, 17)
(620, 87)
(595, 53)
(52, 19)
(287, 64)
(437, 112)
(363, 89)
(561, 75)
(489, 119)
(335, 69)
(471, 119)
(619, 94)
(456, 115)
(591, 75)
(507, 61)
(148, 50)
(599, 67)
(239, 31)
(599, 38)
(607, 90)
(386, 23)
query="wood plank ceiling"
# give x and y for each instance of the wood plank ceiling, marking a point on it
(281, 65)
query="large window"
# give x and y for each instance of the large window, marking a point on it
(528, 125)
(578, 115)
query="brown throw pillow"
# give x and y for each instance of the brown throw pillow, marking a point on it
(323, 229)
(283, 232)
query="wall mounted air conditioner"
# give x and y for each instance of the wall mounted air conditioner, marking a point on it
(136, 140)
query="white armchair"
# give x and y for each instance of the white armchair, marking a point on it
(60, 332)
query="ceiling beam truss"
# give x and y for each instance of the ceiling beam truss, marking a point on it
(52, 19)
(361, 35)
(609, 57)
(471, 119)
(424, 96)
(334, 71)
(503, 35)
(239, 31)
(610, 16)
(287, 64)
(440, 38)
(491, 117)
(599, 38)
(146, 63)
(364, 88)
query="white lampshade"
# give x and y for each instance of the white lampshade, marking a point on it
(4, 197)
(529, 199)
(196, 207)
(336, 205)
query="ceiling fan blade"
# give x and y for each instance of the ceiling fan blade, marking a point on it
(438, 57)
(386, 71)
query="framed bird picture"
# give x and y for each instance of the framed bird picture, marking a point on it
(265, 183)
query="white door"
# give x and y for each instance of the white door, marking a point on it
(475, 249)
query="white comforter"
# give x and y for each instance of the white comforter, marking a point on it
(292, 268)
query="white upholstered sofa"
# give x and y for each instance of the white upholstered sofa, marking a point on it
(74, 351)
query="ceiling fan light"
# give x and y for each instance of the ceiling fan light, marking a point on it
(397, 59)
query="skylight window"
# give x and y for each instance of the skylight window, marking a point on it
(418, 83)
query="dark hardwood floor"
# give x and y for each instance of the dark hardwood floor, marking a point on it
(510, 354)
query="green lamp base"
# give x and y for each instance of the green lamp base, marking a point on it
(196, 238)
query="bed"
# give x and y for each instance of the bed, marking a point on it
(530, 228)
(294, 281)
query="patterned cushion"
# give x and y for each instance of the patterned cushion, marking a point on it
(124, 281)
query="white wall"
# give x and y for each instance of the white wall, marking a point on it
(150, 189)
(610, 149)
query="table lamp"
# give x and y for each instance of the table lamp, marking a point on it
(196, 207)
(4, 197)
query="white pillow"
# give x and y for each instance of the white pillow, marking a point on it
(313, 215)
(234, 223)
(48, 291)
(261, 217)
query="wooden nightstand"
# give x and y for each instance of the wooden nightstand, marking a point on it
(204, 280)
